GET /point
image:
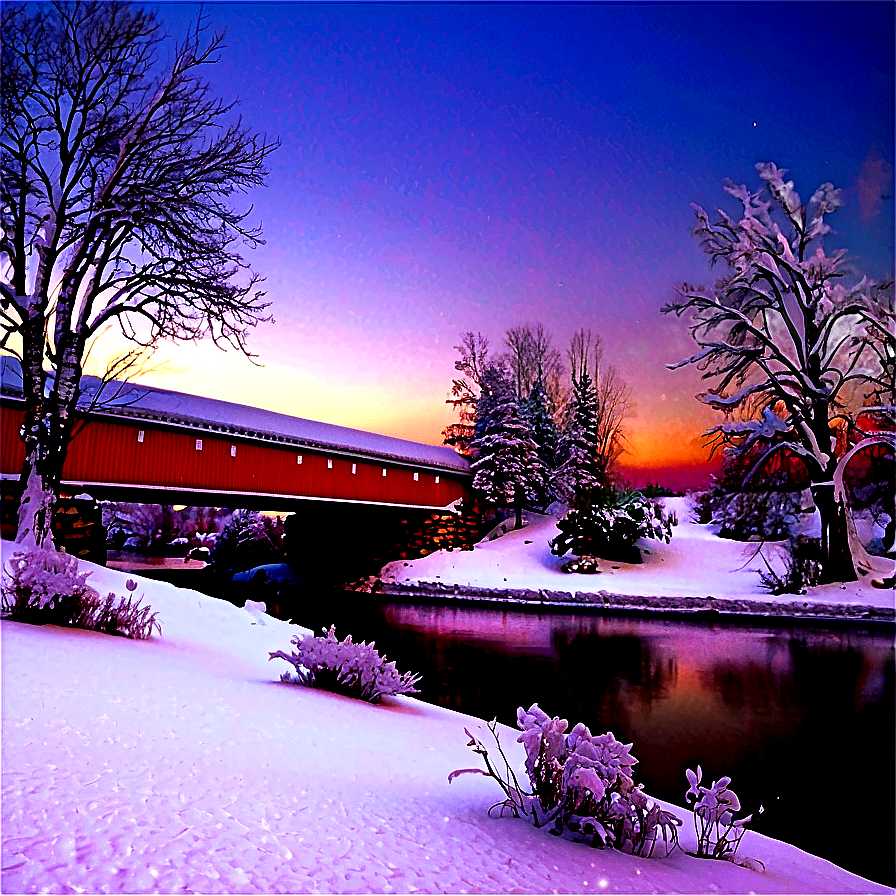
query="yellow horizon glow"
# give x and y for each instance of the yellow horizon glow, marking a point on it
(657, 440)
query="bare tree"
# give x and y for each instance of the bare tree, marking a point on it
(791, 342)
(465, 391)
(531, 358)
(117, 180)
(612, 398)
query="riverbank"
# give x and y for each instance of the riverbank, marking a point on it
(183, 764)
(697, 573)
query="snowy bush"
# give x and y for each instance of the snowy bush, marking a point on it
(611, 526)
(579, 782)
(760, 515)
(356, 670)
(44, 587)
(718, 832)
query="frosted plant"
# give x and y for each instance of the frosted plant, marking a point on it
(41, 579)
(344, 667)
(44, 586)
(611, 526)
(580, 782)
(718, 832)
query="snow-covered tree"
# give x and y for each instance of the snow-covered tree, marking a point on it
(118, 174)
(578, 472)
(507, 470)
(611, 399)
(592, 437)
(792, 342)
(536, 410)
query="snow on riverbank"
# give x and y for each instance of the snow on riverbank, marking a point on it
(182, 764)
(696, 564)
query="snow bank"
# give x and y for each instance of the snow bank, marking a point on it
(695, 565)
(183, 764)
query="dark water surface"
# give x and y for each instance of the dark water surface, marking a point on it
(801, 718)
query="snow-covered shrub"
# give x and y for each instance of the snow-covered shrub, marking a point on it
(610, 527)
(802, 567)
(580, 782)
(344, 667)
(44, 587)
(758, 515)
(718, 832)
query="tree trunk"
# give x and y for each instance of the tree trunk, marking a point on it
(35, 526)
(46, 432)
(836, 557)
(518, 505)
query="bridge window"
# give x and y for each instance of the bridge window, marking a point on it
(437, 480)
(233, 450)
(140, 435)
(354, 469)
(199, 444)
(329, 463)
(384, 471)
(298, 458)
(416, 477)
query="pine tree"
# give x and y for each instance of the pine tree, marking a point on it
(507, 469)
(578, 470)
(537, 413)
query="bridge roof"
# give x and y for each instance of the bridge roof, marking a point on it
(133, 400)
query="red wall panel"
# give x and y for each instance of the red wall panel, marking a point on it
(108, 451)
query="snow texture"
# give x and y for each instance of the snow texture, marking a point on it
(697, 564)
(181, 764)
(146, 403)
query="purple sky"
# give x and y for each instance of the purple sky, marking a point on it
(474, 167)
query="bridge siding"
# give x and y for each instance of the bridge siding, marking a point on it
(108, 452)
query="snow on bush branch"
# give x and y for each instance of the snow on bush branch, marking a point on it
(344, 667)
(718, 832)
(580, 782)
(44, 587)
(611, 525)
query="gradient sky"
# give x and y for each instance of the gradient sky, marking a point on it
(478, 166)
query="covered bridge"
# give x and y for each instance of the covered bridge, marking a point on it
(138, 443)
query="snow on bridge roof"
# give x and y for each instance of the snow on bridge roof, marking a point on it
(164, 406)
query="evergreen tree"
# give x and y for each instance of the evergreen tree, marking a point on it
(507, 469)
(537, 413)
(578, 471)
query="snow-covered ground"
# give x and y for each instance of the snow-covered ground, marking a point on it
(182, 764)
(695, 564)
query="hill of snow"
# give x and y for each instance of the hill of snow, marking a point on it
(182, 764)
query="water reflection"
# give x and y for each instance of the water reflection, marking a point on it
(796, 716)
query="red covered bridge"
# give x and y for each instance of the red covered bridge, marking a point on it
(163, 447)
